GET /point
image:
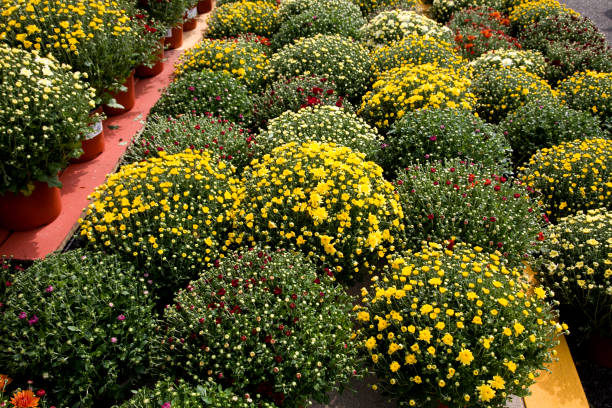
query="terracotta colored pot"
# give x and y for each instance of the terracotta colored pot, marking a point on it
(93, 144)
(174, 37)
(127, 98)
(21, 213)
(204, 6)
(190, 22)
(600, 350)
(142, 71)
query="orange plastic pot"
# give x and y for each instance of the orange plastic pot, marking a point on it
(142, 71)
(93, 144)
(190, 22)
(23, 213)
(600, 350)
(126, 98)
(204, 6)
(174, 37)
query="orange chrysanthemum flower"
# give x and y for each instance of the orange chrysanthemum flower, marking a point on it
(24, 399)
(4, 381)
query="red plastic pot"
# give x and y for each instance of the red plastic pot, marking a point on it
(174, 37)
(142, 71)
(127, 98)
(600, 350)
(204, 6)
(23, 213)
(190, 22)
(93, 144)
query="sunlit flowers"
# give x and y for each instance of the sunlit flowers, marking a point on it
(413, 87)
(325, 200)
(571, 176)
(438, 332)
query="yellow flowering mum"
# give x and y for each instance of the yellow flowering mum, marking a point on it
(588, 91)
(414, 87)
(243, 58)
(415, 49)
(444, 291)
(571, 176)
(531, 12)
(167, 214)
(325, 200)
(242, 17)
(501, 91)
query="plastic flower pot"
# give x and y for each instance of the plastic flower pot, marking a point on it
(93, 143)
(204, 6)
(600, 350)
(126, 98)
(174, 37)
(22, 213)
(190, 22)
(142, 71)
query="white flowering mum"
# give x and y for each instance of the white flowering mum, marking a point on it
(527, 60)
(325, 124)
(394, 25)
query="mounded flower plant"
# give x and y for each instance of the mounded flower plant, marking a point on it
(293, 94)
(415, 49)
(464, 202)
(571, 176)
(439, 134)
(457, 326)
(340, 59)
(242, 17)
(268, 323)
(413, 87)
(245, 58)
(527, 60)
(324, 124)
(200, 92)
(504, 90)
(169, 216)
(589, 91)
(325, 200)
(318, 17)
(44, 115)
(393, 25)
(217, 136)
(78, 312)
(576, 263)
(546, 123)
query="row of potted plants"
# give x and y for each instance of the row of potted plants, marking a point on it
(217, 257)
(34, 160)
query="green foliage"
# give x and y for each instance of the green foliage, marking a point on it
(544, 124)
(439, 134)
(78, 312)
(203, 92)
(468, 203)
(265, 322)
(320, 17)
(219, 137)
